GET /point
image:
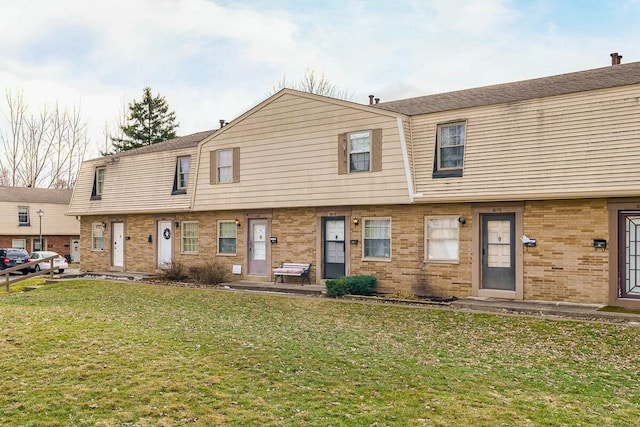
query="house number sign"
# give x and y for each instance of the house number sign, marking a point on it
(166, 233)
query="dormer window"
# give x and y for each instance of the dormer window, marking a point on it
(181, 178)
(449, 155)
(98, 183)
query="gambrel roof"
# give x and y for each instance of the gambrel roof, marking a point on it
(176, 143)
(581, 81)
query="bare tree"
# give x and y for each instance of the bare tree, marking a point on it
(11, 140)
(41, 150)
(312, 83)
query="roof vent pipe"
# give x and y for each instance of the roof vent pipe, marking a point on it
(615, 58)
(377, 100)
(371, 99)
(221, 123)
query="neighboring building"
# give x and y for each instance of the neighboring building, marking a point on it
(29, 211)
(441, 195)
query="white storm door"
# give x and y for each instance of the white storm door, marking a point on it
(118, 244)
(165, 244)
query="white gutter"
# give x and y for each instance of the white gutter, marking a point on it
(405, 158)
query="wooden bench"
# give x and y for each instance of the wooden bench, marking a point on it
(292, 269)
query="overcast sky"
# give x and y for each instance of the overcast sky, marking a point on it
(216, 59)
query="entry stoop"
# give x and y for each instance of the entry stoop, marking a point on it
(284, 288)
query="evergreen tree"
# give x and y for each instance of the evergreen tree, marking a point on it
(148, 122)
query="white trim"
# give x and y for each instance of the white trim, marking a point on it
(405, 158)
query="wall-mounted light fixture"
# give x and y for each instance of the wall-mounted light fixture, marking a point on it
(237, 222)
(104, 224)
(600, 244)
(462, 220)
(177, 224)
(355, 221)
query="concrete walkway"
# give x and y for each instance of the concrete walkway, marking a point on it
(487, 305)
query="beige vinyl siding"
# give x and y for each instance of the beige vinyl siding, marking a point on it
(54, 221)
(134, 184)
(569, 146)
(289, 157)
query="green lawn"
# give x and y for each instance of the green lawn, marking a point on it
(94, 353)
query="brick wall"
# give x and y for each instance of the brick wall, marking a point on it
(562, 267)
(59, 244)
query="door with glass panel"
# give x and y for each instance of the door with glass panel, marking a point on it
(333, 230)
(498, 252)
(257, 265)
(629, 254)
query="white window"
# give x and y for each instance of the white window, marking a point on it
(441, 239)
(23, 215)
(97, 236)
(189, 237)
(377, 238)
(227, 236)
(98, 184)
(360, 152)
(225, 166)
(450, 146)
(19, 243)
(182, 173)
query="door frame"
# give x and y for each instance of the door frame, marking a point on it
(158, 240)
(333, 212)
(267, 216)
(477, 210)
(613, 246)
(345, 242)
(114, 267)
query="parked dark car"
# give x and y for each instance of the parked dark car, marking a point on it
(12, 257)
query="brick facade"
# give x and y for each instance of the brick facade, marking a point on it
(59, 244)
(562, 267)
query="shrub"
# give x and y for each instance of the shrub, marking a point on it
(354, 285)
(361, 285)
(337, 287)
(176, 271)
(209, 273)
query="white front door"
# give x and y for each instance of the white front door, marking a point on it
(75, 250)
(118, 244)
(165, 245)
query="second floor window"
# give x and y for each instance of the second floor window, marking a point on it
(23, 215)
(359, 152)
(183, 172)
(181, 179)
(450, 141)
(98, 184)
(225, 166)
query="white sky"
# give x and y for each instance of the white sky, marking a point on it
(216, 59)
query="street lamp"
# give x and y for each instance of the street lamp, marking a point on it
(40, 213)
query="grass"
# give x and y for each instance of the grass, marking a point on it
(97, 353)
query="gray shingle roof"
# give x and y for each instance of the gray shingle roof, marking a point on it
(35, 195)
(177, 143)
(581, 81)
